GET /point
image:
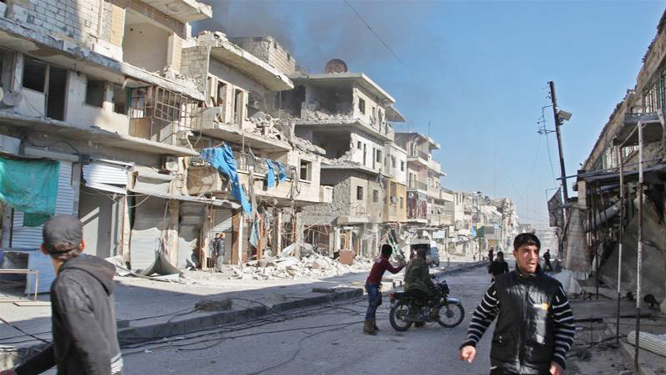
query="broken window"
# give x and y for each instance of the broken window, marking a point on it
(95, 92)
(402, 166)
(119, 100)
(359, 145)
(305, 170)
(379, 156)
(159, 114)
(375, 196)
(361, 105)
(34, 74)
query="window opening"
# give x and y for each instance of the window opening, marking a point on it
(34, 74)
(359, 193)
(375, 196)
(119, 99)
(95, 90)
(361, 105)
(305, 170)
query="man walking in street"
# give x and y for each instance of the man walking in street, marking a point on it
(498, 266)
(491, 254)
(372, 286)
(546, 261)
(534, 329)
(84, 324)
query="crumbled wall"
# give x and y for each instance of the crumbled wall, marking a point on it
(268, 50)
(194, 64)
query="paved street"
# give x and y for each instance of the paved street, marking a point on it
(326, 340)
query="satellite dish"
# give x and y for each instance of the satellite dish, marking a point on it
(12, 99)
(335, 66)
(2, 94)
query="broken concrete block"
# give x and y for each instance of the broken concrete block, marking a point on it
(214, 305)
(346, 257)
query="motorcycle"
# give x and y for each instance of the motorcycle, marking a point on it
(407, 309)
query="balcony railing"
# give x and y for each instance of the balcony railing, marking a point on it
(414, 184)
(418, 154)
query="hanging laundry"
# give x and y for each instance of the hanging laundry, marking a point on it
(222, 159)
(30, 186)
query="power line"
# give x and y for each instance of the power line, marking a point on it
(380, 38)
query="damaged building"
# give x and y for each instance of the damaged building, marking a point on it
(96, 88)
(606, 212)
(349, 116)
(279, 172)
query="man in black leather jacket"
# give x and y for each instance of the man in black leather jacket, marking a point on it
(84, 325)
(534, 329)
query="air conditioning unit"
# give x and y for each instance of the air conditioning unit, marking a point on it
(170, 163)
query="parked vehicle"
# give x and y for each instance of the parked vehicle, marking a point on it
(434, 255)
(407, 309)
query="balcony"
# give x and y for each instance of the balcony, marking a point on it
(182, 10)
(203, 179)
(418, 156)
(435, 167)
(417, 185)
(208, 123)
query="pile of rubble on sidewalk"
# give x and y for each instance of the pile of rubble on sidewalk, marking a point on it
(312, 266)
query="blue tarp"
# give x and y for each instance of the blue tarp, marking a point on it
(270, 175)
(30, 186)
(273, 167)
(222, 159)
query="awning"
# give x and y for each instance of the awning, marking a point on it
(106, 175)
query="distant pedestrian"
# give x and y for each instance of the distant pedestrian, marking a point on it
(373, 285)
(85, 339)
(535, 327)
(220, 252)
(491, 254)
(546, 261)
(498, 266)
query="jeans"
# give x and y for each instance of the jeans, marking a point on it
(374, 301)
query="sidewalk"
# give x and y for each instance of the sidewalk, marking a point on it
(148, 310)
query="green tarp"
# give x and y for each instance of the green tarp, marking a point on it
(30, 186)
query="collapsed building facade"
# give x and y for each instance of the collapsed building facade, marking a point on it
(599, 219)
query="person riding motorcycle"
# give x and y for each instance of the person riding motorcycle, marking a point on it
(418, 282)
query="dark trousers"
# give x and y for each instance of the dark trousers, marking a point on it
(374, 301)
(548, 266)
(500, 371)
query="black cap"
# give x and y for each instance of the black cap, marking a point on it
(62, 233)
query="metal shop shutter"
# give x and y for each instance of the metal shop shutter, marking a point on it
(151, 215)
(31, 237)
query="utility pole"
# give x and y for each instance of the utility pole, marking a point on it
(553, 98)
(565, 190)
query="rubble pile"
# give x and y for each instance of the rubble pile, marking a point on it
(312, 266)
(268, 126)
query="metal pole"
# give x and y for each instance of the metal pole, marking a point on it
(553, 98)
(565, 191)
(619, 255)
(595, 236)
(639, 254)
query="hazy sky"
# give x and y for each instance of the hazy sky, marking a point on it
(477, 71)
